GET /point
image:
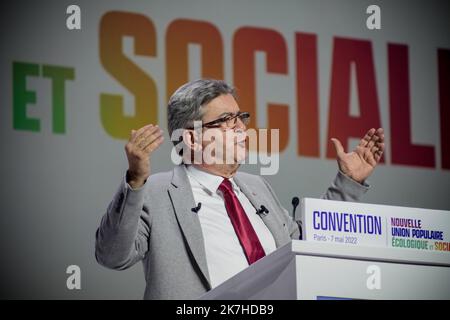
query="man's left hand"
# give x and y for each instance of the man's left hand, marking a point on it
(360, 163)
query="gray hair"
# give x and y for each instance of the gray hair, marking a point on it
(186, 104)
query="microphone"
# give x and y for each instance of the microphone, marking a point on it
(262, 210)
(197, 208)
(295, 202)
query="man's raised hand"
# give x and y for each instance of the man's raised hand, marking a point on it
(360, 163)
(139, 147)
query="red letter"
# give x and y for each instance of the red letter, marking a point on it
(444, 103)
(307, 95)
(403, 150)
(341, 124)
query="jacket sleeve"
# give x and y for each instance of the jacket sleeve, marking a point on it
(123, 235)
(344, 188)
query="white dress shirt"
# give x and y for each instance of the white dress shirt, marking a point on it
(224, 254)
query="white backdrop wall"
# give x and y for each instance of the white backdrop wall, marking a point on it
(56, 185)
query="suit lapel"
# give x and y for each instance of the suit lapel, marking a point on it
(180, 192)
(270, 219)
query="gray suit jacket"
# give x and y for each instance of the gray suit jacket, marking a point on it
(155, 224)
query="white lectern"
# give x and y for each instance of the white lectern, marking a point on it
(310, 270)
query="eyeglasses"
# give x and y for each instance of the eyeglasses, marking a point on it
(229, 120)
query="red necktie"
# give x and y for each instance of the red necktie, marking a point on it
(241, 224)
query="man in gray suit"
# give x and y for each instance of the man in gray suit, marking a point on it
(199, 224)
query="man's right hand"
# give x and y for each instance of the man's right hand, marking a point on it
(141, 145)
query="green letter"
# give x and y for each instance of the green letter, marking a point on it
(58, 76)
(22, 97)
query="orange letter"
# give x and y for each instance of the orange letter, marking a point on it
(114, 26)
(246, 42)
(180, 34)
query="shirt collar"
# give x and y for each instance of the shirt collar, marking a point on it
(210, 182)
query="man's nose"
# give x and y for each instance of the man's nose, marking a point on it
(240, 124)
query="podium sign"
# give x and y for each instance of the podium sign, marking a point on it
(362, 224)
(304, 270)
(353, 251)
